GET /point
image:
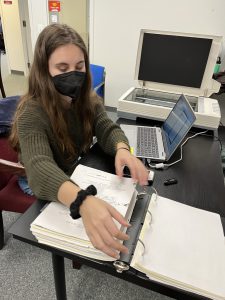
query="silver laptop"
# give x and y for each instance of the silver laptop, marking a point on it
(159, 143)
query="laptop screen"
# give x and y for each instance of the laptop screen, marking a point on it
(177, 125)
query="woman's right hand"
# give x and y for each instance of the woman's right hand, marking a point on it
(103, 233)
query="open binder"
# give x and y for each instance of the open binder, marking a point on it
(170, 242)
(195, 263)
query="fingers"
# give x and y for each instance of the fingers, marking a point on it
(103, 233)
(121, 162)
(99, 244)
(111, 247)
(106, 238)
(141, 173)
(117, 216)
(133, 171)
(138, 171)
(105, 242)
(119, 170)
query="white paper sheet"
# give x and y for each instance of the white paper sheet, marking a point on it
(184, 246)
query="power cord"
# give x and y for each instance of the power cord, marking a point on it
(162, 165)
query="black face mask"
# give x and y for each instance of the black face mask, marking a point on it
(70, 83)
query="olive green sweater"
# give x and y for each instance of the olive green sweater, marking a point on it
(46, 165)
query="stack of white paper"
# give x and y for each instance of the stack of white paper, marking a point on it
(55, 227)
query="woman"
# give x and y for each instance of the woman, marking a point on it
(55, 122)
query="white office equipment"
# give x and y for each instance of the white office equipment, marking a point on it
(170, 64)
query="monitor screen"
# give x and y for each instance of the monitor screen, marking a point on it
(177, 124)
(173, 59)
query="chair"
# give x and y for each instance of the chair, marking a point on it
(98, 79)
(12, 198)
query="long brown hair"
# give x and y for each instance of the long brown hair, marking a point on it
(42, 89)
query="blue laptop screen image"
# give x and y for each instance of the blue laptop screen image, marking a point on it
(177, 124)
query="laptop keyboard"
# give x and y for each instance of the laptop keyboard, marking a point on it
(147, 142)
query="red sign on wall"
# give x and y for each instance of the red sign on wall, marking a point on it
(54, 5)
(7, 2)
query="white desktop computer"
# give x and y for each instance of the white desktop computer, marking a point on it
(170, 64)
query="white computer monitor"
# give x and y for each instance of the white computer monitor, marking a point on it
(177, 62)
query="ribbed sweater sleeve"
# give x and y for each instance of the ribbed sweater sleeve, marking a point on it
(44, 175)
(45, 164)
(108, 133)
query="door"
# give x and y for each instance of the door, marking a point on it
(75, 14)
(13, 36)
(26, 31)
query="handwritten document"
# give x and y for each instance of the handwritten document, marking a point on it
(114, 190)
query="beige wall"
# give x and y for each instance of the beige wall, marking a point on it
(74, 14)
(13, 36)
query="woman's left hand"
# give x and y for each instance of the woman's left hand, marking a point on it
(138, 171)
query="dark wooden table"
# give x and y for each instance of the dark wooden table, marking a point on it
(200, 184)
